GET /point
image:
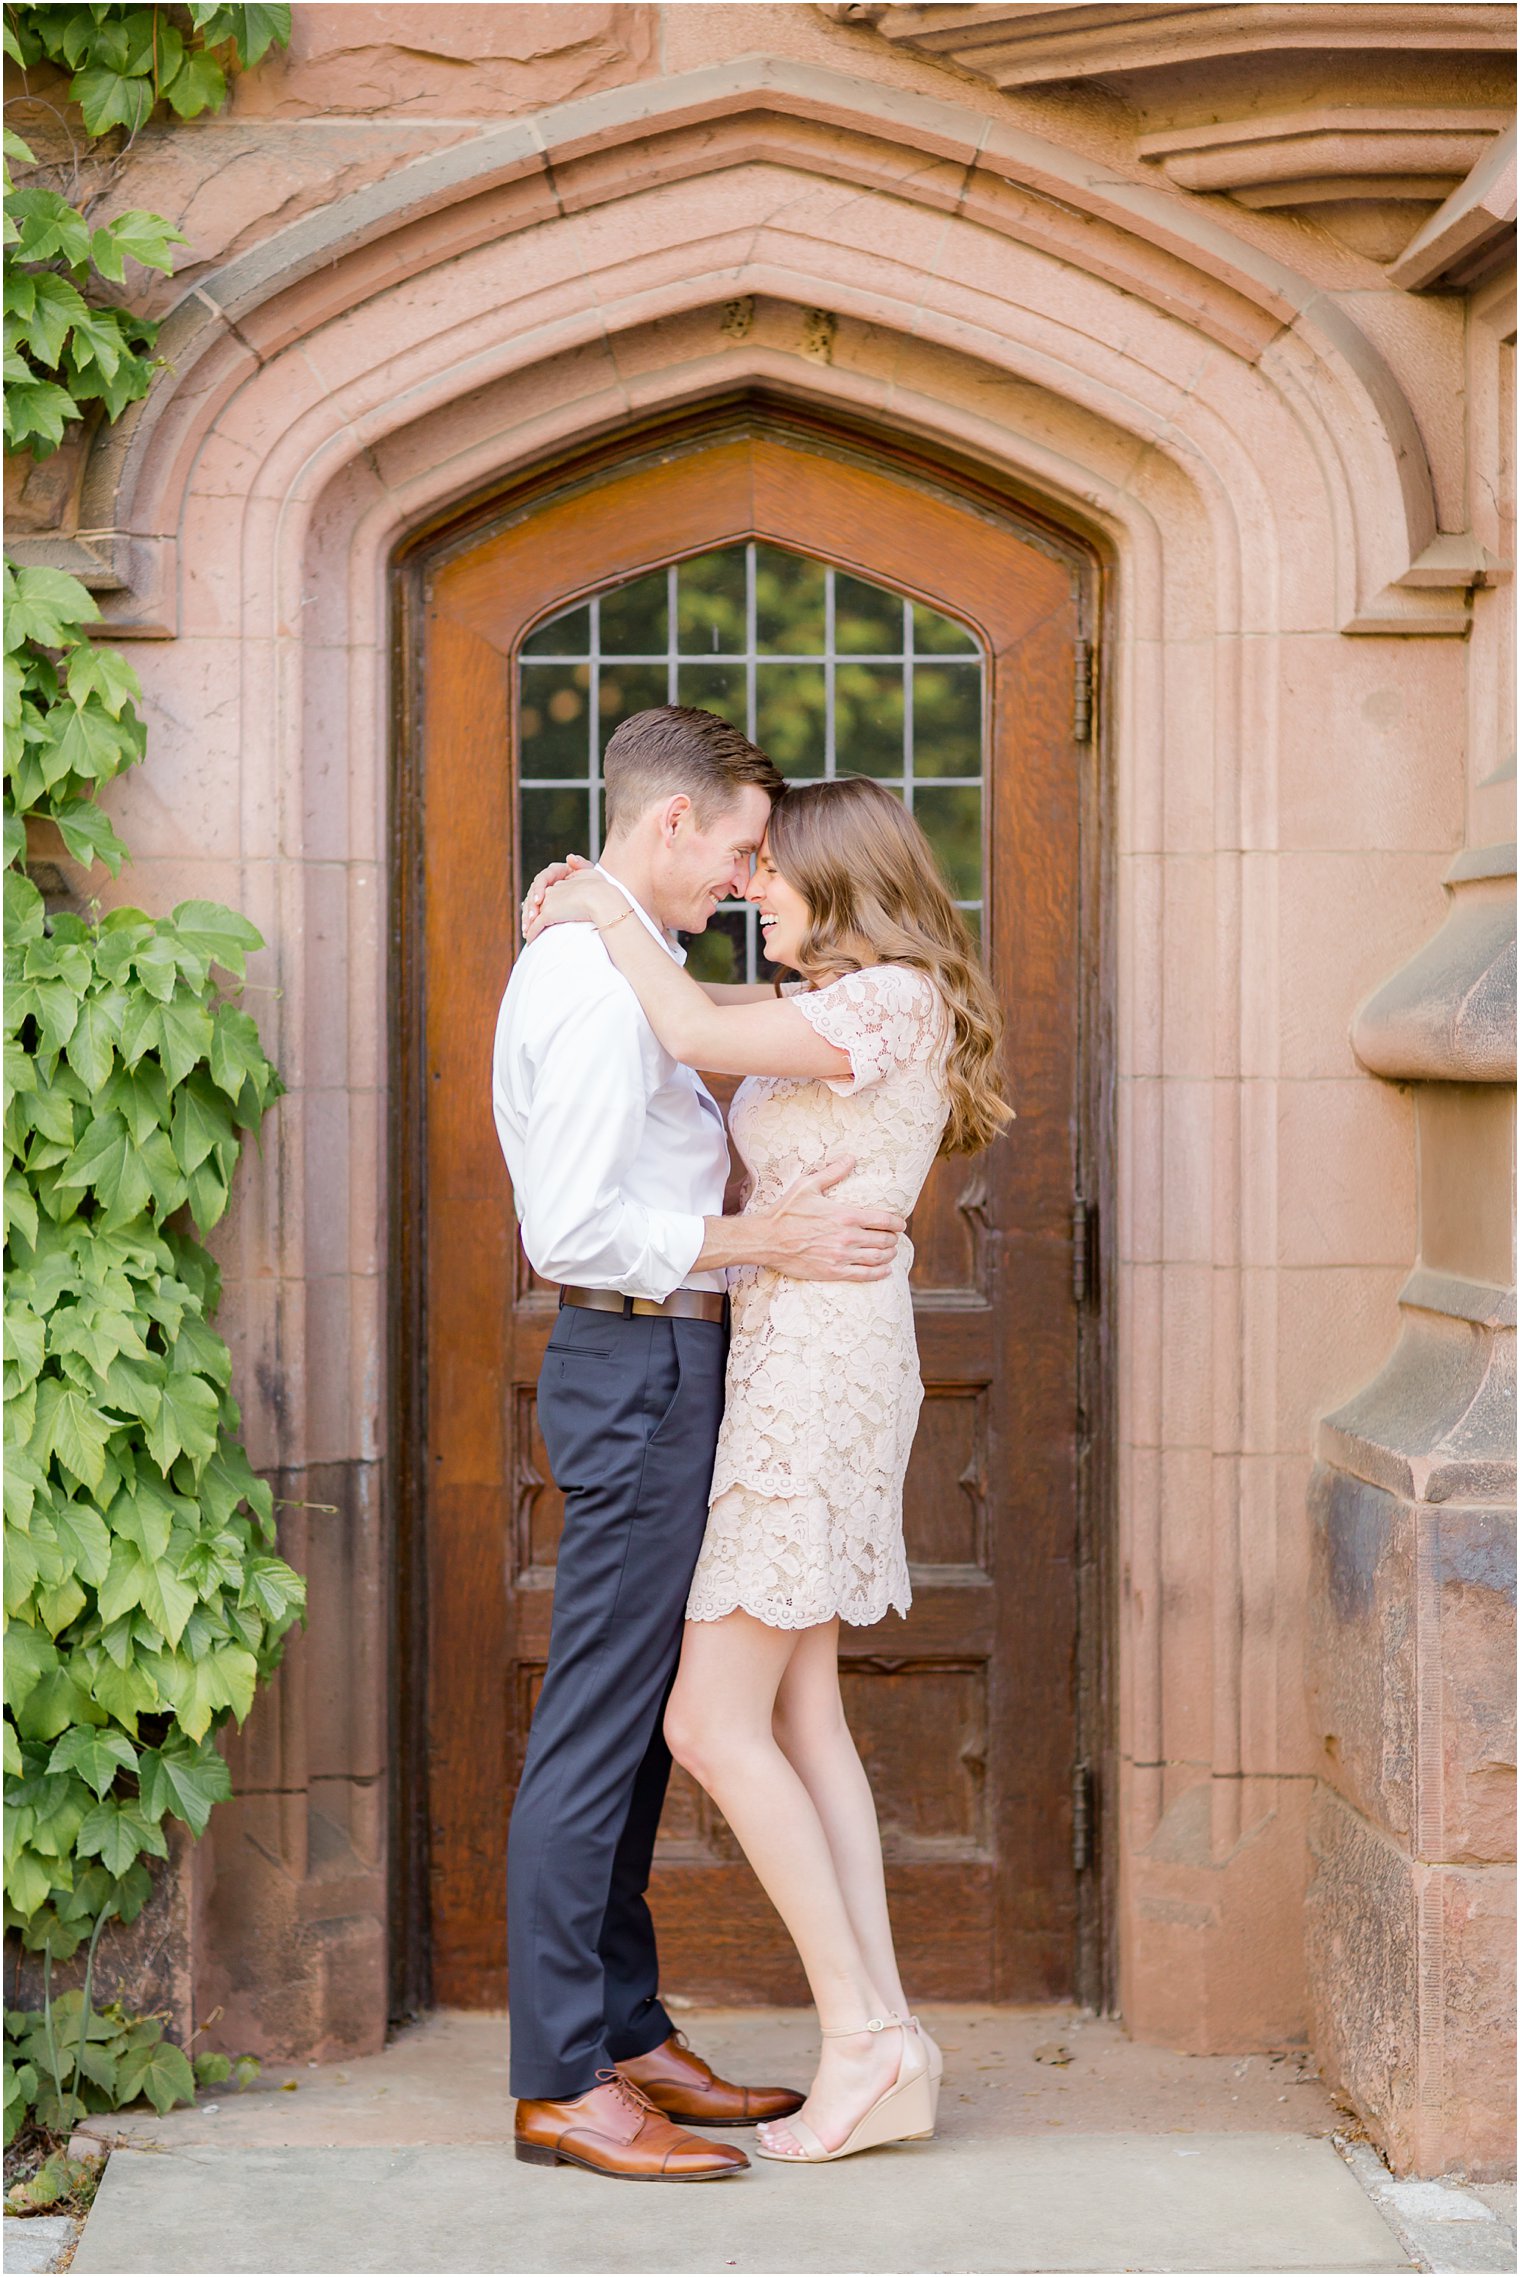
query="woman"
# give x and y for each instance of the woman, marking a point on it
(885, 1051)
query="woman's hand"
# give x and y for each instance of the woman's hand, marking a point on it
(580, 898)
(533, 898)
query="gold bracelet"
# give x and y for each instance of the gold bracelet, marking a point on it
(622, 913)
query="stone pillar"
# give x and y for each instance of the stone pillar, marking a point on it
(1410, 1910)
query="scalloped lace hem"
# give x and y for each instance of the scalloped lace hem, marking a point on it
(773, 1618)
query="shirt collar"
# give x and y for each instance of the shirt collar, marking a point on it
(666, 940)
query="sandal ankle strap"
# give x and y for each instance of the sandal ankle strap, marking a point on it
(886, 2023)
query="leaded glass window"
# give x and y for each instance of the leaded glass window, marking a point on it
(829, 674)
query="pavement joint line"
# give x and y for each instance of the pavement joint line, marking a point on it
(1445, 2225)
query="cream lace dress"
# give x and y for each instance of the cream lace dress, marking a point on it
(823, 1385)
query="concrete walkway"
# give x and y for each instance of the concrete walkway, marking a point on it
(1061, 2147)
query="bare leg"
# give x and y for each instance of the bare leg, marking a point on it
(719, 1726)
(813, 1735)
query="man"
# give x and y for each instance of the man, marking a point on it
(618, 1159)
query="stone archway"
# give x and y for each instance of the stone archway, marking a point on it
(1246, 463)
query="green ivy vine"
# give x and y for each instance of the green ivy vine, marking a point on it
(144, 1596)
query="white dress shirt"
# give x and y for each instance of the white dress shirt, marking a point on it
(617, 1152)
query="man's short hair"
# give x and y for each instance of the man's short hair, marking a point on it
(675, 748)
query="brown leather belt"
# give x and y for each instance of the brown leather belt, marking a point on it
(681, 1304)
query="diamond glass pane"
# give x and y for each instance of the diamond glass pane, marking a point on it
(829, 673)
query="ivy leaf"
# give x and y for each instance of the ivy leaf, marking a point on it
(91, 1049)
(20, 1209)
(100, 341)
(121, 1589)
(143, 237)
(28, 1883)
(45, 605)
(186, 1422)
(92, 744)
(25, 1344)
(88, 834)
(63, 1602)
(208, 1195)
(111, 99)
(85, 1538)
(29, 1656)
(105, 673)
(117, 1832)
(50, 228)
(184, 1033)
(36, 413)
(220, 935)
(24, 1480)
(97, 1756)
(107, 1160)
(270, 1584)
(199, 85)
(162, 2073)
(57, 1700)
(167, 1599)
(68, 1427)
(184, 1782)
(125, 1693)
(55, 307)
(236, 1052)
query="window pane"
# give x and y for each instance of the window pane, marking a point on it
(717, 688)
(947, 719)
(952, 822)
(555, 731)
(554, 824)
(626, 689)
(867, 621)
(717, 954)
(710, 612)
(934, 635)
(788, 603)
(972, 920)
(568, 634)
(635, 617)
(790, 705)
(868, 719)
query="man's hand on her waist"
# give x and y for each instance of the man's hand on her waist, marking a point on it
(813, 1238)
(808, 1235)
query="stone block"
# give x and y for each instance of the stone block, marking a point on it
(1211, 1927)
(1411, 1654)
(1411, 1969)
(37, 2242)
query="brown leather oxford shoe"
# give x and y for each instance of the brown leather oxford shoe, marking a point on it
(615, 2130)
(678, 2082)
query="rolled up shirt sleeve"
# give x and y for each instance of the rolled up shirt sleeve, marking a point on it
(579, 1227)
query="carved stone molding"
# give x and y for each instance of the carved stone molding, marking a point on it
(1448, 1015)
(1035, 45)
(1471, 232)
(1322, 108)
(1311, 157)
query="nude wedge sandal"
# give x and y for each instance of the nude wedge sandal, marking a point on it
(902, 2113)
(932, 2050)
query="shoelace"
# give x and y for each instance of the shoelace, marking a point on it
(633, 2096)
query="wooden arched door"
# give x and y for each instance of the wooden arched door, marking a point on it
(956, 630)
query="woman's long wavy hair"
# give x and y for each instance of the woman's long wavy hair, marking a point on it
(875, 896)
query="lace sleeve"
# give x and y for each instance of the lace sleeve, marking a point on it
(885, 1017)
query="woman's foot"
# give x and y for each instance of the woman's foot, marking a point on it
(855, 2070)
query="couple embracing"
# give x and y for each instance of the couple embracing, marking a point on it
(728, 1405)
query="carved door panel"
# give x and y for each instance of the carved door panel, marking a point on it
(856, 620)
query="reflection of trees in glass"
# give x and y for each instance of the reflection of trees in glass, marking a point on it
(830, 673)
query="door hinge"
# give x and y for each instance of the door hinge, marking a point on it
(1083, 1248)
(1082, 691)
(1081, 1816)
